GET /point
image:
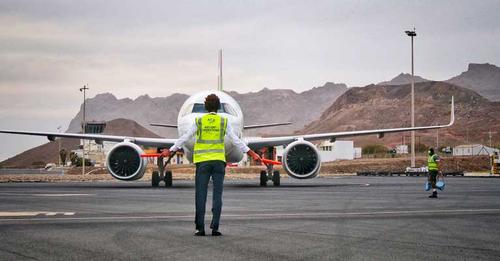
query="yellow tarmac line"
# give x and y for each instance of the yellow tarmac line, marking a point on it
(265, 215)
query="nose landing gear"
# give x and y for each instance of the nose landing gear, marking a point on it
(162, 174)
(269, 174)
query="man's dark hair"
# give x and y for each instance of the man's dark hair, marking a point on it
(212, 103)
(431, 151)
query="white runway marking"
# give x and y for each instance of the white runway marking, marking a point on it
(258, 215)
(45, 194)
(61, 195)
(33, 213)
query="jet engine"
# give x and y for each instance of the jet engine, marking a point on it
(124, 161)
(301, 160)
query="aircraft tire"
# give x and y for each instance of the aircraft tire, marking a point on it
(168, 178)
(276, 178)
(263, 178)
(155, 179)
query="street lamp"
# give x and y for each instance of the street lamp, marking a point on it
(59, 151)
(83, 89)
(412, 34)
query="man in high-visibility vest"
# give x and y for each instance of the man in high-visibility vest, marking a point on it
(433, 168)
(210, 159)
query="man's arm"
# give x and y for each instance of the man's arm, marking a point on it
(235, 140)
(180, 142)
(437, 159)
(240, 144)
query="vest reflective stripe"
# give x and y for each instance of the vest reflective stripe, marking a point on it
(209, 141)
(209, 144)
(208, 151)
(431, 162)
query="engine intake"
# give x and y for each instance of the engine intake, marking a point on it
(124, 161)
(301, 160)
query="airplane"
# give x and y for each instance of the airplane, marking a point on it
(300, 160)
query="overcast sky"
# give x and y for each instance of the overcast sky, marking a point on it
(49, 49)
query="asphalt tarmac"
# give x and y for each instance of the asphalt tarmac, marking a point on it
(343, 218)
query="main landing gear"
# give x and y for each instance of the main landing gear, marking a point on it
(162, 174)
(269, 174)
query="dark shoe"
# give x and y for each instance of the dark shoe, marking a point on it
(434, 195)
(216, 233)
(199, 233)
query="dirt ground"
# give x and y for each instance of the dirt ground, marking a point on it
(341, 167)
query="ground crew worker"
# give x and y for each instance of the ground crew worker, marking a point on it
(210, 159)
(433, 168)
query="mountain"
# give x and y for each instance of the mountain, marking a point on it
(403, 78)
(374, 107)
(265, 106)
(143, 110)
(48, 152)
(482, 78)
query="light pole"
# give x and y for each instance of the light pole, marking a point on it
(412, 34)
(83, 89)
(59, 151)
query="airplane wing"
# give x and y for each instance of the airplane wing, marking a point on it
(163, 125)
(246, 127)
(255, 143)
(154, 142)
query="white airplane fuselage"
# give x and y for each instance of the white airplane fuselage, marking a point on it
(193, 108)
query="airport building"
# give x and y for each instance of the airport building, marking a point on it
(473, 150)
(331, 151)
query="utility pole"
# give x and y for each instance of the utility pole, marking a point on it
(437, 139)
(412, 34)
(59, 151)
(83, 127)
(219, 87)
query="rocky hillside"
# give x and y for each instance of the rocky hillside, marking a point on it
(260, 107)
(403, 78)
(143, 110)
(374, 107)
(48, 152)
(482, 78)
(268, 106)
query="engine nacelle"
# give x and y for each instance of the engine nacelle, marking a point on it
(301, 160)
(124, 161)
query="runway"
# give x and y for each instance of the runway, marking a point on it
(334, 218)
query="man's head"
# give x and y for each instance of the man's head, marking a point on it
(431, 151)
(212, 103)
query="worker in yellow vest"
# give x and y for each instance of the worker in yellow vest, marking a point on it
(433, 168)
(209, 156)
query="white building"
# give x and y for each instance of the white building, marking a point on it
(331, 151)
(402, 149)
(473, 150)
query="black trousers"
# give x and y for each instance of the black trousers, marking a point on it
(433, 177)
(215, 169)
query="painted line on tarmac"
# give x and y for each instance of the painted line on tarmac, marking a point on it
(257, 216)
(46, 194)
(33, 213)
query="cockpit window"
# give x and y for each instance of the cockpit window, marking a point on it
(224, 108)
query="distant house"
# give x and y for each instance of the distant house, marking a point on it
(473, 150)
(402, 149)
(338, 150)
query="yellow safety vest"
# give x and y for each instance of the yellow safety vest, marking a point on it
(209, 144)
(431, 162)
